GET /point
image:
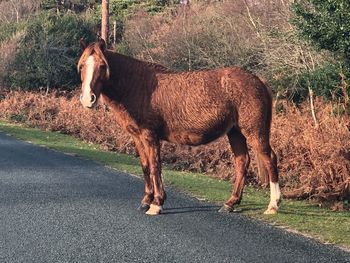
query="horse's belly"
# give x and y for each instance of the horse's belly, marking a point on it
(188, 138)
(198, 136)
(199, 126)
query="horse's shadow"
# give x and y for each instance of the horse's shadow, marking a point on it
(206, 208)
(189, 209)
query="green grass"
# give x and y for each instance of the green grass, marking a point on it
(321, 223)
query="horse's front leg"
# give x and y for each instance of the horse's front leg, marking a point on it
(152, 150)
(148, 185)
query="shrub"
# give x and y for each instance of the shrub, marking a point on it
(68, 5)
(205, 36)
(121, 10)
(257, 37)
(325, 23)
(49, 51)
(8, 30)
(12, 12)
(325, 82)
(8, 49)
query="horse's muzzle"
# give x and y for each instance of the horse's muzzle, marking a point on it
(86, 102)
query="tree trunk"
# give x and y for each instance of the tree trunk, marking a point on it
(114, 32)
(105, 20)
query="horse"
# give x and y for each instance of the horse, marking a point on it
(153, 103)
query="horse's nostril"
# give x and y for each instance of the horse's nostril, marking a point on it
(93, 98)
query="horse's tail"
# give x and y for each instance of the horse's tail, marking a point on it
(262, 172)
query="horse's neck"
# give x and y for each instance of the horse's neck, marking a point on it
(127, 76)
(122, 67)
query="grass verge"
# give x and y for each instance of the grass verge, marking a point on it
(328, 226)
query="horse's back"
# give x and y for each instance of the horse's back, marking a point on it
(225, 83)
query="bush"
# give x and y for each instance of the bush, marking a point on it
(12, 12)
(227, 34)
(325, 82)
(49, 51)
(326, 24)
(8, 30)
(68, 5)
(121, 10)
(8, 49)
(203, 37)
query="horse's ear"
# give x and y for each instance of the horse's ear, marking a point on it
(83, 44)
(102, 44)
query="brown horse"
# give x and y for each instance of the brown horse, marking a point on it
(153, 103)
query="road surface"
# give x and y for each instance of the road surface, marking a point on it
(59, 208)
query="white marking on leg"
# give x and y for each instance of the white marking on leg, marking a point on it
(90, 63)
(275, 195)
(154, 210)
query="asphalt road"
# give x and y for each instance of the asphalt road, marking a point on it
(59, 208)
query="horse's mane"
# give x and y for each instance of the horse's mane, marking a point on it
(95, 48)
(158, 67)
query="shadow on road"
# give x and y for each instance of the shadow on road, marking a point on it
(189, 209)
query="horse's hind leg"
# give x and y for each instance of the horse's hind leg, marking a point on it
(239, 147)
(268, 157)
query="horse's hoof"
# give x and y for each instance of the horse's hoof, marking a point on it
(143, 208)
(225, 209)
(270, 211)
(154, 210)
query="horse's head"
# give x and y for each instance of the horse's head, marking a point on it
(94, 71)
